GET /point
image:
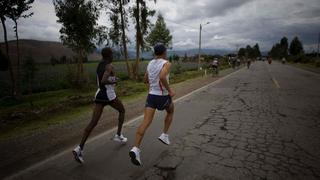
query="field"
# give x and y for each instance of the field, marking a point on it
(55, 100)
(51, 78)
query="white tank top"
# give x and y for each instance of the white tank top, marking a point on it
(154, 68)
(110, 88)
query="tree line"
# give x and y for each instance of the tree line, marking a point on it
(294, 51)
(250, 52)
(81, 32)
(74, 14)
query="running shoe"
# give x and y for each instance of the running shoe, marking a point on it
(164, 138)
(135, 156)
(77, 153)
(120, 138)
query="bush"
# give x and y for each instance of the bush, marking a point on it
(53, 60)
(301, 58)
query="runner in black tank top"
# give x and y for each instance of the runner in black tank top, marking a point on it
(105, 95)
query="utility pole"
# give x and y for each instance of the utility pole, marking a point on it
(199, 53)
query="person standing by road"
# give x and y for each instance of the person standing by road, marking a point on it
(159, 97)
(105, 95)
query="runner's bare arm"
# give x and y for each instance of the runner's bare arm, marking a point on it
(107, 73)
(163, 78)
(146, 78)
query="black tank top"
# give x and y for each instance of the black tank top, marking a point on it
(100, 71)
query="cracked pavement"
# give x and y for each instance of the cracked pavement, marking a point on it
(252, 130)
(243, 126)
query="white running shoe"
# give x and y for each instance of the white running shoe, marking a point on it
(120, 138)
(164, 138)
(77, 153)
(135, 156)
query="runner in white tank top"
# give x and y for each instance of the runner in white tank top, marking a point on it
(159, 97)
(153, 70)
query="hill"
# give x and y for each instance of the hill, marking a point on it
(41, 51)
(189, 52)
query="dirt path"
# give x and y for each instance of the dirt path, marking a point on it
(19, 153)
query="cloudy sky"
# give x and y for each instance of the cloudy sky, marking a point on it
(233, 23)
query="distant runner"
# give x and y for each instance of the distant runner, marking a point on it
(159, 97)
(215, 66)
(105, 95)
(238, 62)
(248, 63)
(269, 60)
(283, 60)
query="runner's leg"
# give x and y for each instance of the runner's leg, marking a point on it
(168, 118)
(97, 111)
(117, 104)
(148, 117)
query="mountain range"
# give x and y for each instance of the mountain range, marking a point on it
(43, 51)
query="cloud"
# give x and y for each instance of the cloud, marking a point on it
(41, 26)
(247, 22)
(232, 22)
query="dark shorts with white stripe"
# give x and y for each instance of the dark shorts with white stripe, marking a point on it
(102, 98)
(158, 102)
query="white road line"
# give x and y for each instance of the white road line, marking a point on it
(115, 128)
(275, 82)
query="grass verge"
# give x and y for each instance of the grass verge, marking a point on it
(307, 66)
(43, 110)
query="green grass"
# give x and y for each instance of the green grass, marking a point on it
(52, 78)
(314, 67)
(127, 90)
(63, 105)
(26, 127)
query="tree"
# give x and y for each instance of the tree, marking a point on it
(5, 8)
(175, 57)
(4, 62)
(242, 52)
(296, 47)
(140, 13)
(17, 10)
(276, 51)
(284, 47)
(256, 51)
(79, 28)
(117, 33)
(249, 52)
(160, 33)
(185, 58)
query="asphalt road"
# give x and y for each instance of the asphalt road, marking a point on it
(257, 123)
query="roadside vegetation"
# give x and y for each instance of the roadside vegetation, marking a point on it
(294, 54)
(65, 102)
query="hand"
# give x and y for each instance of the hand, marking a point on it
(171, 93)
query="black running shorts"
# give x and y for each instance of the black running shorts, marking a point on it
(158, 102)
(101, 97)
